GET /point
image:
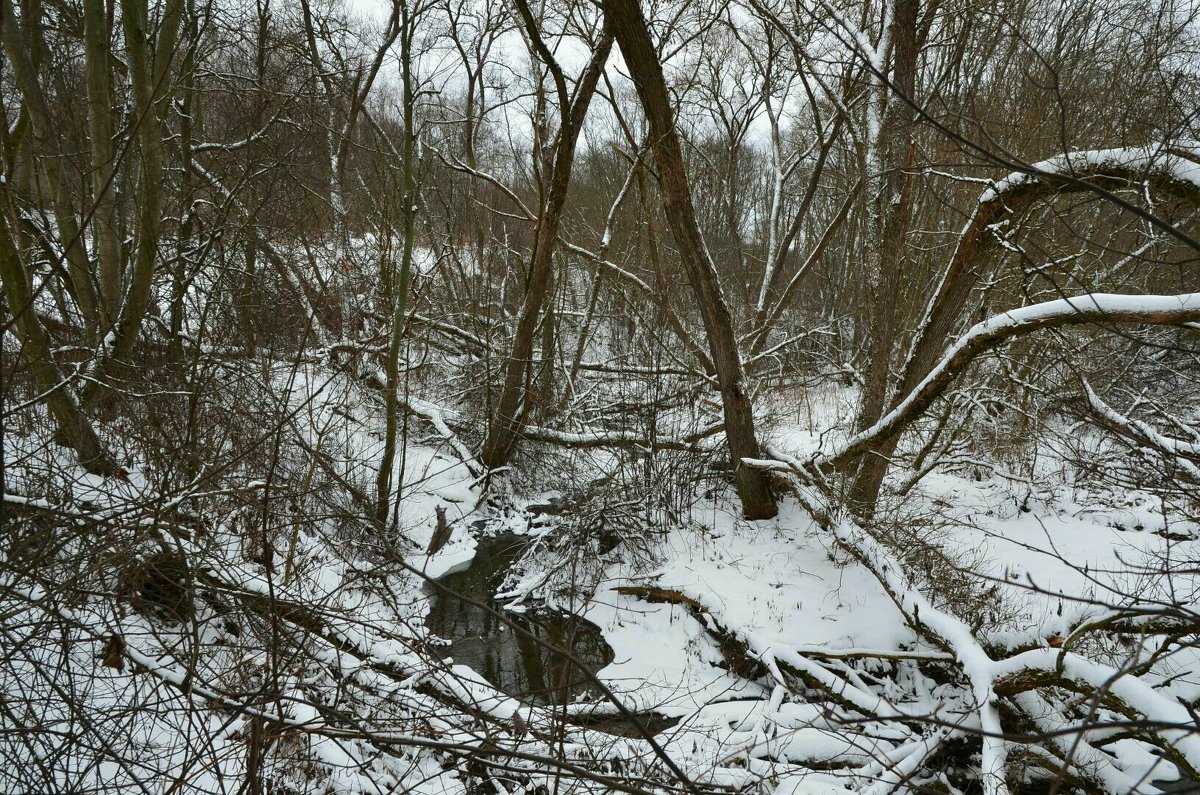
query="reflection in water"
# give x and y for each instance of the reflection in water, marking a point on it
(513, 663)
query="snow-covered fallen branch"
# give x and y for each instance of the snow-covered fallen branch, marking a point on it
(1180, 452)
(1017, 678)
(952, 634)
(1136, 698)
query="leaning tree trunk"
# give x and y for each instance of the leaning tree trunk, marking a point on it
(629, 24)
(74, 428)
(1081, 172)
(509, 418)
(25, 48)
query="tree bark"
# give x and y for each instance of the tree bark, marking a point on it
(149, 62)
(74, 428)
(383, 482)
(105, 225)
(24, 45)
(627, 21)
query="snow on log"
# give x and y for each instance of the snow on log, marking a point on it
(955, 636)
(1017, 678)
(1054, 666)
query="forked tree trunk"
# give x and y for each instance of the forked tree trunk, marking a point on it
(74, 428)
(627, 21)
(25, 47)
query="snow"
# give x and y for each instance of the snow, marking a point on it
(1156, 159)
(805, 601)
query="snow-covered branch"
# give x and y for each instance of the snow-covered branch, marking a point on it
(1180, 452)
(1171, 169)
(1097, 308)
(1172, 163)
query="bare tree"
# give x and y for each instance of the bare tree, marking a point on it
(637, 48)
(513, 405)
(277, 275)
(406, 20)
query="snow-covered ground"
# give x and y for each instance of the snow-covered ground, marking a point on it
(797, 655)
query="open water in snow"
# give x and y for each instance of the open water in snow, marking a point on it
(510, 661)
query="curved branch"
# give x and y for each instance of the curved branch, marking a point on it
(1140, 434)
(995, 331)
(1175, 171)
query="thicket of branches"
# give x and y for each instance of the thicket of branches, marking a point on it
(254, 253)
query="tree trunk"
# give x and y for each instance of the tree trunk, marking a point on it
(627, 21)
(149, 61)
(967, 265)
(509, 418)
(892, 214)
(105, 227)
(24, 45)
(383, 481)
(74, 428)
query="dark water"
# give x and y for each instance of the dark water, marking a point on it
(513, 663)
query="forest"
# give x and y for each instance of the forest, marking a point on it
(533, 397)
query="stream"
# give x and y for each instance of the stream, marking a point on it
(511, 662)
